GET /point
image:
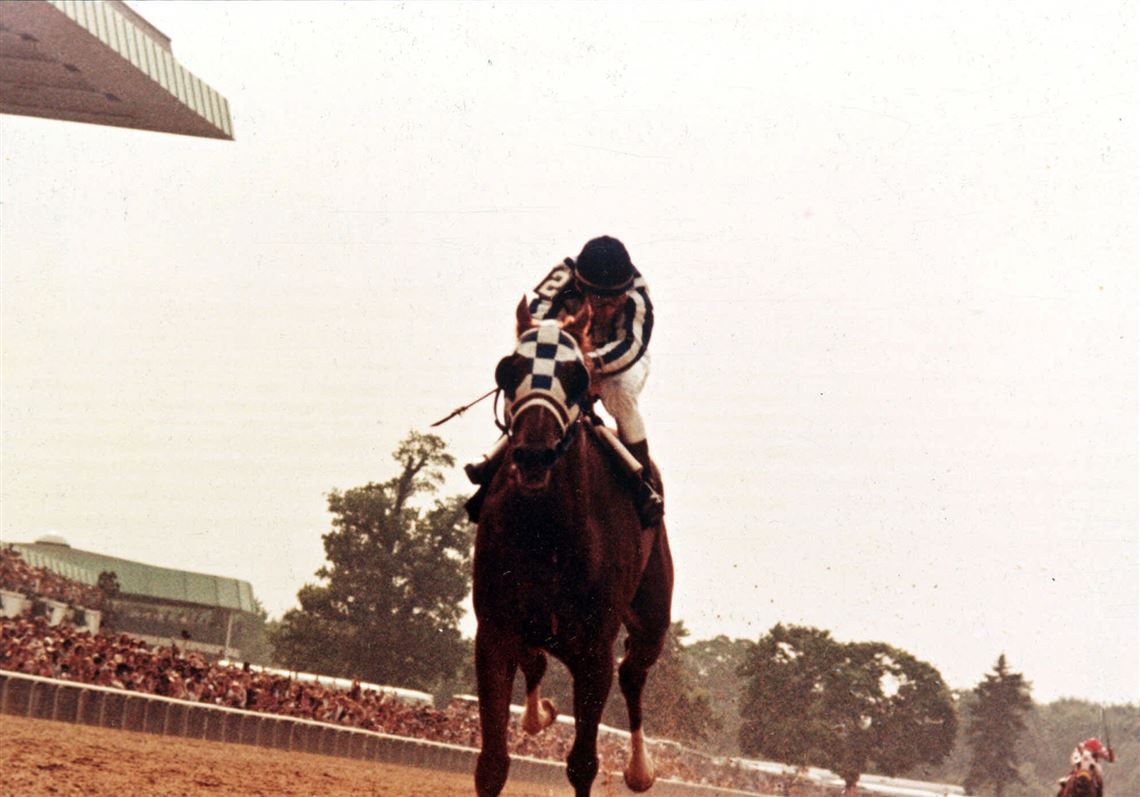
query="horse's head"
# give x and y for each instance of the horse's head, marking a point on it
(545, 382)
(1081, 783)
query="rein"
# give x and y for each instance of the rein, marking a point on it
(568, 435)
(567, 440)
(586, 415)
(502, 425)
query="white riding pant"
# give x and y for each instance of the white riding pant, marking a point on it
(1083, 759)
(619, 396)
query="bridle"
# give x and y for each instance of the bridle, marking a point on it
(551, 397)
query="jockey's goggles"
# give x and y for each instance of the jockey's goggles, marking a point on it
(588, 288)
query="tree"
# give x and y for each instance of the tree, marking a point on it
(715, 664)
(810, 700)
(675, 705)
(388, 607)
(1051, 731)
(250, 635)
(997, 720)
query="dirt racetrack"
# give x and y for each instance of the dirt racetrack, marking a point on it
(41, 758)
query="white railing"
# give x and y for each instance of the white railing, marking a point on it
(87, 704)
(412, 696)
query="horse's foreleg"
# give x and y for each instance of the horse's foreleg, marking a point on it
(539, 712)
(495, 662)
(592, 680)
(651, 617)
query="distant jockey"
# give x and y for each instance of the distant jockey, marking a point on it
(604, 277)
(1094, 750)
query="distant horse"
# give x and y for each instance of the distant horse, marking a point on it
(1082, 781)
(561, 562)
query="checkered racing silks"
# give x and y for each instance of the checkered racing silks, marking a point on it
(544, 347)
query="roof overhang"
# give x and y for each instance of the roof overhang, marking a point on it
(139, 580)
(100, 62)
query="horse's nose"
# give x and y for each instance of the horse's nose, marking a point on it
(533, 458)
(531, 468)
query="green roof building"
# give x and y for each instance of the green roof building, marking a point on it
(160, 604)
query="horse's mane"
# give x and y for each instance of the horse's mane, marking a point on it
(577, 326)
(585, 343)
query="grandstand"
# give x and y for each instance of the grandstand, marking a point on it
(101, 62)
(199, 611)
(60, 672)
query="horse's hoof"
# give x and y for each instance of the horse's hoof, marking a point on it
(547, 713)
(639, 782)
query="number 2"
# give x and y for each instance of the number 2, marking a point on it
(555, 281)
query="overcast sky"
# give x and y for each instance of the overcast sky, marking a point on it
(892, 247)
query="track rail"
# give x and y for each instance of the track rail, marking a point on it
(86, 704)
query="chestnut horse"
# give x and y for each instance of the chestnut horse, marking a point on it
(1082, 783)
(561, 562)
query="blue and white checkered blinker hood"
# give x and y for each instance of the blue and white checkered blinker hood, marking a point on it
(547, 369)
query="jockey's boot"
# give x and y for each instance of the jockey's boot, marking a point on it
(650, 504)
(481, 473)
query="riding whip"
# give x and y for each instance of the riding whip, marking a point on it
(464, 408)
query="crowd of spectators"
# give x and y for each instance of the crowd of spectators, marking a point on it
(19, 576)
(28, 644)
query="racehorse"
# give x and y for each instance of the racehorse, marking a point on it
(1085, 778)
(1082, 782)
(561, 563)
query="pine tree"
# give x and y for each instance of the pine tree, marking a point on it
(994, 726)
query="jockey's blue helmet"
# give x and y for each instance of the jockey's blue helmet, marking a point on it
(604, 267)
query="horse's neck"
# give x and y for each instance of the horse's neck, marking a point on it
(588, 469)
(582, 475)
(1095, 786)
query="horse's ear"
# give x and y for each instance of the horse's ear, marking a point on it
(578, 325)
(524, 320)
(509, 372)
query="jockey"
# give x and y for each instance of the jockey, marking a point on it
(604, 277)
(1091, 752)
